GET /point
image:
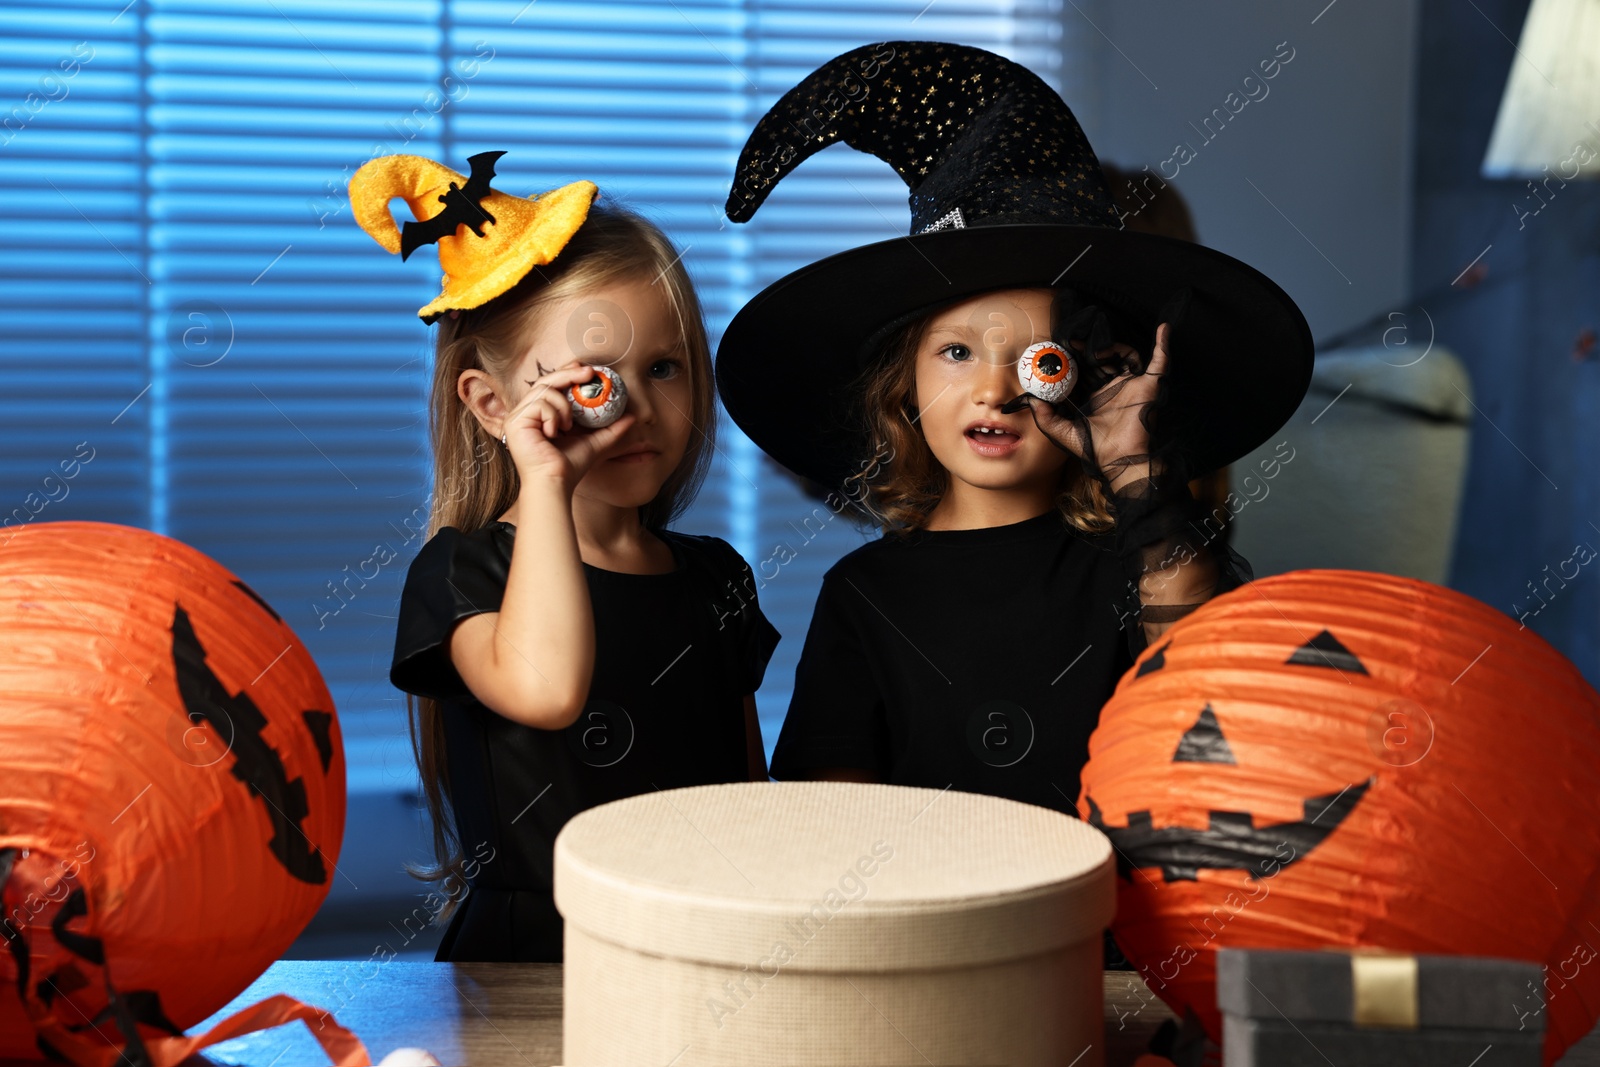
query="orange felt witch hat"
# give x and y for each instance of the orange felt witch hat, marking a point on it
(488, 240)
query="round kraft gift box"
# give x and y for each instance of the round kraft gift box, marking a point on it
(809, 923)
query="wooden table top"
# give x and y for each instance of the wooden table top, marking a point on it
(509, 1014)
(503, 1014)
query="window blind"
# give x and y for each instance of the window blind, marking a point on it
(198, 322)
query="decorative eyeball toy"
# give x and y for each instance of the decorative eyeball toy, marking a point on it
(599, 401)
(1047, 371)
(409, 1057)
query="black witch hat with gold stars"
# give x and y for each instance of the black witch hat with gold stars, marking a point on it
(1005, 193)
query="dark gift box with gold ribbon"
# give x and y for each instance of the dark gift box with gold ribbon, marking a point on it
(1287, 1009)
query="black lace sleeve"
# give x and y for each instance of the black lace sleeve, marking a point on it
(453, 576)
(1174, 559)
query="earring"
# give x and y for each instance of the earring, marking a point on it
(502, 438)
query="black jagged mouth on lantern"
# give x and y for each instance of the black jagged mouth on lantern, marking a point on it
(1232, 842)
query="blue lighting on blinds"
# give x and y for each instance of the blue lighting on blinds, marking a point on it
(190, 298)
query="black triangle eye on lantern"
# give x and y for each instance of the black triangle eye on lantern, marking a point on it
(1004, 192)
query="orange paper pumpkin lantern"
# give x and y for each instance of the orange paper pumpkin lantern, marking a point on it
(172, 791)
(1341, 758)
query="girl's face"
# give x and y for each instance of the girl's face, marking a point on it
(966, 368)
(628, 327)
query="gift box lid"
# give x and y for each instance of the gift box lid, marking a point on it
(1374, 988)
(847, 876)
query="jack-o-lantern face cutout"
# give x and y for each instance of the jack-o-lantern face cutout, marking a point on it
(172, 792)
(1232, 841)
(1260, 790)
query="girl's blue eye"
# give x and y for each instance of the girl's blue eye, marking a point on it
(672, 367)
(956, 352)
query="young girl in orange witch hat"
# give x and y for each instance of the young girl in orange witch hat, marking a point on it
(562, 646)
(1018, 393)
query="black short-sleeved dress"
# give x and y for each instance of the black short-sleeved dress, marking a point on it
(675, 655)
(966, 659)
(971, 659)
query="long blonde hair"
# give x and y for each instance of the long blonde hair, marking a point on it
(900, 492)
(474, 478)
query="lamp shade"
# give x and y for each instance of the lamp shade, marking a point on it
(1547, 116)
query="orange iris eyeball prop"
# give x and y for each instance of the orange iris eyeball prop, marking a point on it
(1047, 371)
(600, 401)
(1334, 758)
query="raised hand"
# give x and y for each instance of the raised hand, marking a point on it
(541, 437)
(1120, 440)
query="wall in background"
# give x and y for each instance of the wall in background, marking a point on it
(1306, 174)
(1351, 178)
(1530, 494)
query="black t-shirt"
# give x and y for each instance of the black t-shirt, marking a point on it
(675, 655)
(971, 659)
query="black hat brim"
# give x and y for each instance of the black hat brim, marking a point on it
(1239, 362)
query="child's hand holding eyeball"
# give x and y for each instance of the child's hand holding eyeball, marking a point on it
(539, 429)
(600, 401)
(1111, 415)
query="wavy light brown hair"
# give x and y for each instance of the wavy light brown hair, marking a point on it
(474, 478)
(901, 490)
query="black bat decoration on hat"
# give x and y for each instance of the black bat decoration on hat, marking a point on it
(461, 207)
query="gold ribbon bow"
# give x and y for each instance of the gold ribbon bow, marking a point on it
(1383, 987)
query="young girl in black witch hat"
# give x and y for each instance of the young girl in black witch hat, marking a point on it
(1027, 557)
(567, 648)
